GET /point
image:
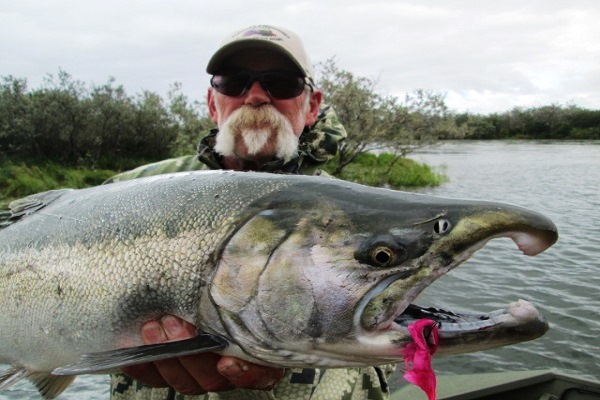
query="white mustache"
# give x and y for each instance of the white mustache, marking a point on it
(255, 126)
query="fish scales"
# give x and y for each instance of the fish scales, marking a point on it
(110, 266)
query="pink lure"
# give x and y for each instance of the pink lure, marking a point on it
(417, 355)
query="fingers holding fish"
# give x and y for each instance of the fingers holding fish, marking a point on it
(195, 374)
(246, 375)
(198, 373)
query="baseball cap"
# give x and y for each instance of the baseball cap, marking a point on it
(267, 37)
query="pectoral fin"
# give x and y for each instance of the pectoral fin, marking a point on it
(120, 358)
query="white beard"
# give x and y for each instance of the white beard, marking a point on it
(255, 126)
(255, 139)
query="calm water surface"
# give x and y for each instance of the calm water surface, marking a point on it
(558, 179)
(561, 180)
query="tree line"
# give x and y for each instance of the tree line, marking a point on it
(546, 122)
(70, 122)
(78, 124)
(377, 122)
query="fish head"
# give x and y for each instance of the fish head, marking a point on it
(325, 274)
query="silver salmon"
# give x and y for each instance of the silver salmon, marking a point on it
(280, 270)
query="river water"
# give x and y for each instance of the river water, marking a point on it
(562, 181)
(559, 179)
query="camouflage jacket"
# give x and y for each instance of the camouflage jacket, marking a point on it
(318, 143)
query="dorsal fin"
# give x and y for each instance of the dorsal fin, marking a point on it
(20, 208)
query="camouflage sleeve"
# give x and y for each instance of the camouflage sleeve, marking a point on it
(320, 141)
(185, 163)
(329, 123)
(368, 383)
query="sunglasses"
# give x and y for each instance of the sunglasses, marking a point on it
(280, 85)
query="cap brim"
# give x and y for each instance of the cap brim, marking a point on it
(224, 54)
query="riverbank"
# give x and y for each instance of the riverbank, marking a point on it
(20, 178)
(384, 170)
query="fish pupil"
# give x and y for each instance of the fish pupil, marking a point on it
(383, 256)
(442, 226)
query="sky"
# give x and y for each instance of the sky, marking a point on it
(484, 56)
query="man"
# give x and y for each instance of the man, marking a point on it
(265, 104)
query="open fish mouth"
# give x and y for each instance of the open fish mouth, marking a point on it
(465, 332)
(461, 332)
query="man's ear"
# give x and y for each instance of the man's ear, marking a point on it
(212, 107)
(313, 109)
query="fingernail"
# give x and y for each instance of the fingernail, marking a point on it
(232, 369)
(171, 325)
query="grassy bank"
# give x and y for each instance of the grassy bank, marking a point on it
(370, 169)
(22, 178)
(19, 179)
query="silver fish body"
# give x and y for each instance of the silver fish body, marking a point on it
(277, 269)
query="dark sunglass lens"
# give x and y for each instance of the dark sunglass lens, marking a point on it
(230, 85)
(283, 86)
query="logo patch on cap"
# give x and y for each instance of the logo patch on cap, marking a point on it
(259, 32)
(265, 32)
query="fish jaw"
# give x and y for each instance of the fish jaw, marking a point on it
(461, 332)
(519, 321)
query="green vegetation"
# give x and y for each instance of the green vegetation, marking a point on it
(386, 170)
(21, 179)
(375, 122)
(547, 122)
(74, 124)
(70, 134)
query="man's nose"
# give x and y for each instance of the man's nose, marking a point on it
(257, 95)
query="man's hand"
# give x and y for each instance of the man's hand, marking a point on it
(198, 373)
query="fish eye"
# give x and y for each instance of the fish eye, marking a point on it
(382, 255)
(381, 251)
(442, 226)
